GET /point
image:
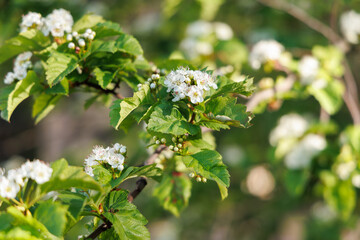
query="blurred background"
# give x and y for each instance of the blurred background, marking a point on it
(258, 206)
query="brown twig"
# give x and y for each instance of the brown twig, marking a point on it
(140, 185)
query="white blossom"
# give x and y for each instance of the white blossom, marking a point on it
(308, 69)
(71, 45)
(199, 29)
(184, 83)
(9, 78)
(264, 51)
(302, 154)
(31, 20)
(223, 31)
(58, 22)
(21, 65)
(356, 180)
(8, 189)
(16, 175)
(114, 156)
(350, 26)
(344, 169)
(289, 126)
(41, 172)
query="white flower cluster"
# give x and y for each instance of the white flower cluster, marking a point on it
(114, 156)
(308, 69)
(152, 82)
(21, 65)
(57, 23)
(301, 155)
(31, 20)
(16, 178)
(199, 35)
(189, 83)
(289, 126)
(264, 51)
(81, 39)
(350, 26)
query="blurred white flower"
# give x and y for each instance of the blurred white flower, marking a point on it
(223, 31)
(263, 51)
(301, 155)
(31, 20)
(8, 189)
(319, 83)
(9, 78)
(289, 126)
(350, 26)
(41, 172)
(260, 182)
(199, 29)
(21, 65)
(16, 175)
(58, 22)
(344, 170)
(308, 69)
(356, 180)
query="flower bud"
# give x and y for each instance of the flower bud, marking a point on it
(75, 34)
(192, 175)
(153, 85)
(91, 37)
(176, 149)
(171, 147)
(81, 42)
(163, 140)
(180, 140)
(179, 145)
(173, 139)
(204, 180)
(157, 142)
(88, 31)
(155, 77)
(198, 179)
(71, 45)
(69, 37)
(155, 138)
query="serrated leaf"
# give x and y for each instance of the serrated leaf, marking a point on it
(87, 21)
(125, 43)
(173, 192)
(61, 88)
(208, 163)
(31, 40)
(107, 29)
(23, 89)
(74, 201)
(132, 172)
(53, 216)
(65, 177)
(101, 174)
(121, 109)
(166, 118)
(58, 66)
(43, 105)
(127, 221)
(104, 77)
(4, 95)
(226, 86)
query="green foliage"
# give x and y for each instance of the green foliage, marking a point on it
(58, 66)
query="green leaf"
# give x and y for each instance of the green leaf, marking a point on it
(166, 118)
(132, 172)
(226, 86)
(173, 192)
(25, 227)
(225, 110)
(295, 181)
(101, 174)
(31, 40)
(4, 95)
(58, 66)
(23, 89)
(352, 136)
(74, 201)
(65, 177)
(127, 221)
(107, 29)
(341, 197)
(125, 43)
(104, 77)
(121, 109)
(330, 96)
(43, 105)
(61, 88)
(87, 21)
(208, 163)
(53, 216)
(232, 52)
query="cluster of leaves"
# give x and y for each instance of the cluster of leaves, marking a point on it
(111, 58)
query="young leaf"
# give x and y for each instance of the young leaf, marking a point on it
(102, 175)
(4, 95)
(43, 105)
(58, 66)
(31, 40)
(65, 177)
(53, 216)
(87, 21)
(127, 221)
(104, 77)
(23, 89)
(173, 192)
(61, 88)
(226, 86)
(208, 163)
(166, 118)
(107, 29)
(125, 43)
(295, 181)
(121, 109)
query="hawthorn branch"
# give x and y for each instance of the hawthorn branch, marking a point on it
(97, 87)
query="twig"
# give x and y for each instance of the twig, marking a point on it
(140, 185)
(310, 21)
(282, 87)
(102, 228)
(106, 91)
